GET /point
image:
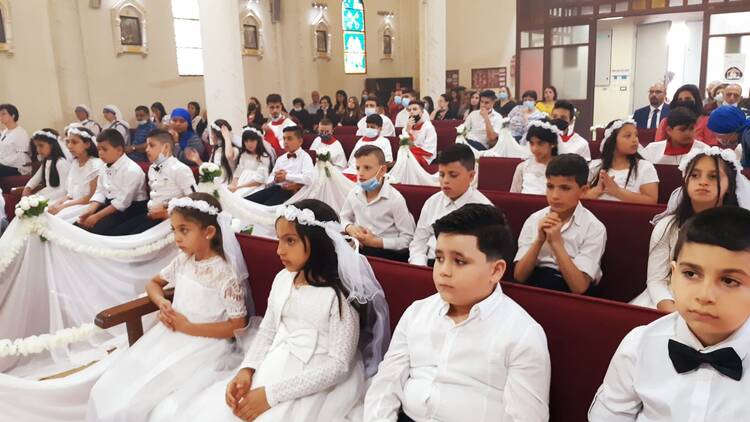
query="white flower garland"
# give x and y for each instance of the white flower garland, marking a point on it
(44, 133)
(545, 125)
(186, 202)
(72, 130)
(252, 129)
(305, 217)
(37, 344)
(618, 124)
(727, 155)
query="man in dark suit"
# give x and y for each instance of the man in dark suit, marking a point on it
(649, 117)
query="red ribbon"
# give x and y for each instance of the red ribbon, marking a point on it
(366, 139)
(420, 155)
(271, 138)
(671, 149)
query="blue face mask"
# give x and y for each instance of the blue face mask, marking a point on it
(529, 104)
(397, 99)
(405, 102)
(160, 159)
(370, 185)
(502, 95)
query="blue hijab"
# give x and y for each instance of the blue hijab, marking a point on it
(185, 136)
(727, 119)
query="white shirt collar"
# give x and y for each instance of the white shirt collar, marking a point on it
(483, 308)
(739, 340)
(120, 162)
(385, 192)
(657, 108)
(461, 200)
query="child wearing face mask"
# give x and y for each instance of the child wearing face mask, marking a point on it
(374, 212)
(136, 149)
(327, 143)
(373, 106)
(371, 136)
(303, 116)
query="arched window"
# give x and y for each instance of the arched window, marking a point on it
(353, 22)
(252, 35)
(187, 37)
(5, 31)
(129, 26)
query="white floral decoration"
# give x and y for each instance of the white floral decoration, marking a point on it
(40, 343)
(45, 133)
(252, 129)
(545, 125)
(215, 127)
(305, 217)
(727, 155)
(199, 205)
(618, 124)
(72, 130)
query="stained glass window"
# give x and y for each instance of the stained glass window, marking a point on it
(353, 22)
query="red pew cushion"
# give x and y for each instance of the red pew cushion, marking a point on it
(497, 173)
(9, 182)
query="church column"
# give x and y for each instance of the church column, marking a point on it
(432, 28)
(223, 74)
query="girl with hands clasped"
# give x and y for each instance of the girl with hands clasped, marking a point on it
(184, 352)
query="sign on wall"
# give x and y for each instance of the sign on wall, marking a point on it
(488, 78)
(734, 68)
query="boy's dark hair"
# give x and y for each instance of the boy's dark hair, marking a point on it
(681, 116)
(205, 219)
(488, 93)
(725, 227)
(486, 222)
(408, 91)
(112, 136)
(161, 136)
(294, 129)
(417, 103)
(566, 105)
(10, 109)
(375, 100)
(299, 101)
(273, 98)
(374, 119)
(530, 93)
(569, 165)
(366, 150)
(457, 153)
(325, 122)
(143, 108)
(544, 135)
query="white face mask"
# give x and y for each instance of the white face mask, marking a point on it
(142, 122)
(371, 132)
(370, 111)
(297, 108)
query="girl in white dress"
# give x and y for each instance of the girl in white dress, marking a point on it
(82, 175)
(224, 153)
(254, 164)
(304, 364)
(543, 137)
(193, 332)
(622, 174)
(712, 178)
(53, 173)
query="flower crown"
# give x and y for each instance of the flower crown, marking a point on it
(45, 134)
(75, 131)
(252, 129)
(618, 124)
(215, 127)
(727, 155)
(305, 217)
(546, 125)
(186, 202)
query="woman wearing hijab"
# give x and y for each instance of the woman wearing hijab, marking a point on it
(83, 114)
(114, 120)
(732, 129)
(184, 136)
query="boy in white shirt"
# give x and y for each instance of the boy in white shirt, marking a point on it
(327, 143)
(571, 142)
(402, 118)
(14, 144)
(168, 178)
(688, 365)
(560, 247)
(372, 106)
(679, 142)
(484, 124)
(292, 171)
(375, 213)
(273, 130)
(456, 169)
(371, 136)
(421, 133)
(469, 352)
(120, 189)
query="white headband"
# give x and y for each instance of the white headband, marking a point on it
(186, 202)
(215, 127)
(618, 124)
(545, 125)
(75, 131)
(305, 217)
(727, 155)
(252, 129)
(45, 134)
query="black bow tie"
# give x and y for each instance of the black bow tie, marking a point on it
(685, 359)
(291, 155)
(157, 168)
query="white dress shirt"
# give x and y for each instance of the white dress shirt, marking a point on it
(644, 174)
(642, 384)
(425, 137)
(387, 216)
(122, 182)
(654, 152)
(387, 130)
(171, 179)
(422, 247)
(657, 111)
(80, 177)
(51, 192)
(476, 127)
(338, 156)
(380, 142)
(402, 118)
(442, 371)
(583, 235)
(299, 169)
(530, 178)
(14, 149)
(577, 144)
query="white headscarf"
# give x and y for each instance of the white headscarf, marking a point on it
(85, 108)
(118, 115)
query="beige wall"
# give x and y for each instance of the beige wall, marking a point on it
(481, 33)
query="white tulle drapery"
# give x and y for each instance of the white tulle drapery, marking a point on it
(506, 146)
(408, 171)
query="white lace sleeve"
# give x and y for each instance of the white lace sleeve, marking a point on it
(233, 294)
(169, 273)
(344, 336)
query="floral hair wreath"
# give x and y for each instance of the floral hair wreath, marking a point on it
(186, 202)
(75, 131)
(305, 217)
(215, 127)
(727, 155)
(546, 125)
(45, 134)
(252, 129)
(617, 125)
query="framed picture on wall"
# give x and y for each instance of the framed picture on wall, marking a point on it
(130, 31)
(488, 78)
(321, 41)
(250, 33)
(387, 44)
(451, 79)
